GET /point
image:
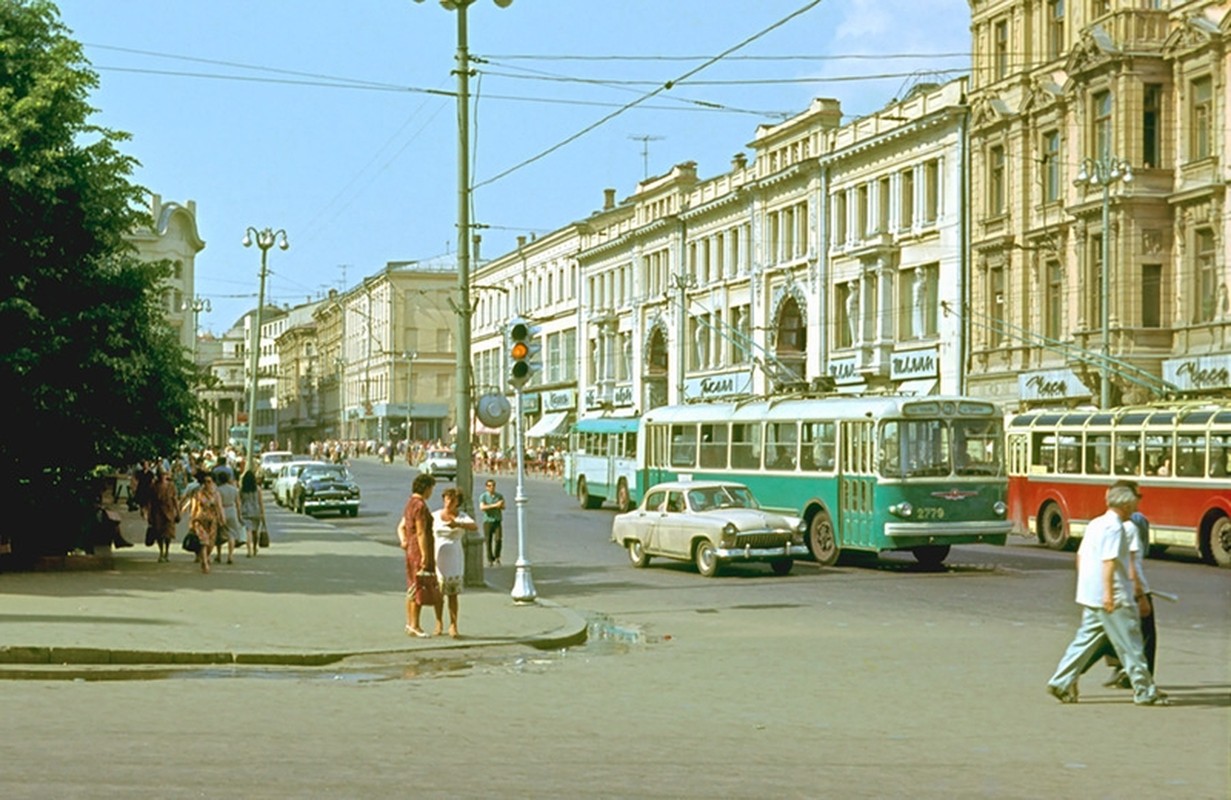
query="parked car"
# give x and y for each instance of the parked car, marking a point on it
(439, 464)
(328, 487)
(267, 467)
(709, 523)
(287, 473)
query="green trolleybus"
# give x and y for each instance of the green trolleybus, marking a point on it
(867, 473)
(601, 462)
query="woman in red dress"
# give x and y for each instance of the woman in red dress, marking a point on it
(415, 536)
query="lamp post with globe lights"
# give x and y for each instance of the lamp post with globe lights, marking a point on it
(196, 306)
(263, 239)
(1104, 172)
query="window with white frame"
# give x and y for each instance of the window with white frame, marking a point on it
(1201, 114)
(918, 306)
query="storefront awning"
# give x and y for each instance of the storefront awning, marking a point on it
(547, 425)
(918, 386)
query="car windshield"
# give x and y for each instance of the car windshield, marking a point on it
(440, 454)
(317, 473)
(717, 497)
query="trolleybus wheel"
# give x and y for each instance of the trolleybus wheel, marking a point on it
(821, 540)
(706, 558)
(931, 555)
(624, 502)
(782, 566)
(584, 498)
(1217, 549)
(1052, 530)
(636, 554)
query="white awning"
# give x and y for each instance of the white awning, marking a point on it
(547, 425)
(918, 386)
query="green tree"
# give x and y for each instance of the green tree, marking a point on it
(91, 372)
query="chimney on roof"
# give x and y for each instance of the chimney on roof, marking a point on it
(608, 199)
(739, 161)
(521, 242)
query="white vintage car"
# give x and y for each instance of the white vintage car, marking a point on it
(708, 523)
(288, 472)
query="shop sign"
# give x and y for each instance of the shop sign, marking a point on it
(623, 396)
(1050, 384)
(723, 384)
(529, 404)
(560, 400)
(909, 364)
(845, 370)
(1198, 373)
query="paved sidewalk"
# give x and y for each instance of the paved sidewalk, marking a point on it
(316, 595)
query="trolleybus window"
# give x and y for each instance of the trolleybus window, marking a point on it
(1190, 456)
(714, 446)
(1098, 453)
(978, 447)
(1128, 453)
(745, 445)
(1068, 450)
(1158, 454)
(683, 445)
(780, 445)
(817, 446)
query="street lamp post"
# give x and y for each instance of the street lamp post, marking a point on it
(410, 394)
(196, 306)
(465, 475)
(1104, 172)
(264, 239)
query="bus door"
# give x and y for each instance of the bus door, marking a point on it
(856, 482)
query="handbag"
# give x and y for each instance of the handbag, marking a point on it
(263, 535)
(427, 588)
(192, 542)
(151, 535)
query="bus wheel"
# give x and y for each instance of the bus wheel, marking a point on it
(782, 566)
(624, 503)
(636, 554)
(1218, 543)
(706, 558)
(931, 555)
(1052, 530)
(821, 540)
(583, 492)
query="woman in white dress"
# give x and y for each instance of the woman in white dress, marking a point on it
(449, 525)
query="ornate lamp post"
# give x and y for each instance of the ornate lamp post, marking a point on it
(264, 239)
(196, 306)
(1104, 172)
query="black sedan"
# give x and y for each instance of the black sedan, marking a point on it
(325, 487)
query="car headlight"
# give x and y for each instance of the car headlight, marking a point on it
(729, 534)
(1000, 508)
(902, 509)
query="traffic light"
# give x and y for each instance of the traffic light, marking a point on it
(523, 351)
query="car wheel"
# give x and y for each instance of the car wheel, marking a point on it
(1053, 531)
(1217, 545)
(931, 555)
(624, 502)
(707, 558)
(636, 554)
(782, 566)
(821, 540)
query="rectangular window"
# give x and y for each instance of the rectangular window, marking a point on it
(746, 445)
(683, 445)
(1152, 125)
(1151, 295)
(1158, 454)
(714, 446)
(1094, 282)
(931, 191)
(1098, 453)
(906, 200)
(817, 446)
(861, 212)
(840, 219)
(845, 314)
(1051, 167)
(1002, 49)
(1101, 131)
(1055, 28)
(1053, 323)
(995, 181)
(996, 306)
(741, 323)
(1128, 453)
(1202, 117)
(1207, 275)
(918, 309)
(775, 237)
(1069, 451)
(882, 202)
(1190, 456)
(780, 445)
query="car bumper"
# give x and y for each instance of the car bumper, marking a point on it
(329, 504)
(918, 534)
(762, 553)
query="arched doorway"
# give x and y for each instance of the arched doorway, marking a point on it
(656, 370)
(791, 343)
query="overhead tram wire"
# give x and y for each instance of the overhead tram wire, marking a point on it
(662, 88)
(808, 57)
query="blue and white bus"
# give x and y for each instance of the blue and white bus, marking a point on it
(867, 473)
(601, 462)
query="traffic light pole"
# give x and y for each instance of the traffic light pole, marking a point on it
(523, 582)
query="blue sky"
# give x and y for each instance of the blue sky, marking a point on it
(261, 111)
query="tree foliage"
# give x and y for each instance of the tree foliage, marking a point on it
(92, 372)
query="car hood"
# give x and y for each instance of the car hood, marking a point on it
(745, 519)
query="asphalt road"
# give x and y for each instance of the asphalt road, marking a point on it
(875, 679)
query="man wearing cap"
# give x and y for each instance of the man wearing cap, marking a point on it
(1107, 591)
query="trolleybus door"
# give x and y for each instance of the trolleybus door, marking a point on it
(856, 482)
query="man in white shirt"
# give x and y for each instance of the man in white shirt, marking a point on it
(1107, 591)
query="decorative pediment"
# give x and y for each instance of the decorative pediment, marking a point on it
(1043, 93)
(1194, 34)
(988, 110)
(1094, 49)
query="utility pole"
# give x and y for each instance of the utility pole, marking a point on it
(645, 140)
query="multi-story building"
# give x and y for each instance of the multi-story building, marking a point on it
(1098, 202)
(298, 404)
(225, 394)
(174, 238)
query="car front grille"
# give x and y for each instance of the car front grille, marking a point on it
(761, 540)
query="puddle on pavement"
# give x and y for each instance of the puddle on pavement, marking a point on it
(603, 638)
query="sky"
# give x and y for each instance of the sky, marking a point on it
(337, 122)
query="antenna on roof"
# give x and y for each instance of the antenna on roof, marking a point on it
(645, 140)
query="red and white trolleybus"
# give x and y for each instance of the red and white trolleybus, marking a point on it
(1061, 463)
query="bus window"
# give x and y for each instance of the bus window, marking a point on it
(1098, 453)
(683, 445)
(780, 445)
(714, 446)
(1190, 456)
(1043, 454)
(1220, 456)
(657, 446)
(817, 446)
(1069, 452)
(1158, 454)
(745, 445)
(1128, 453)
(889, 454)
(978, 447)
(925, 447)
